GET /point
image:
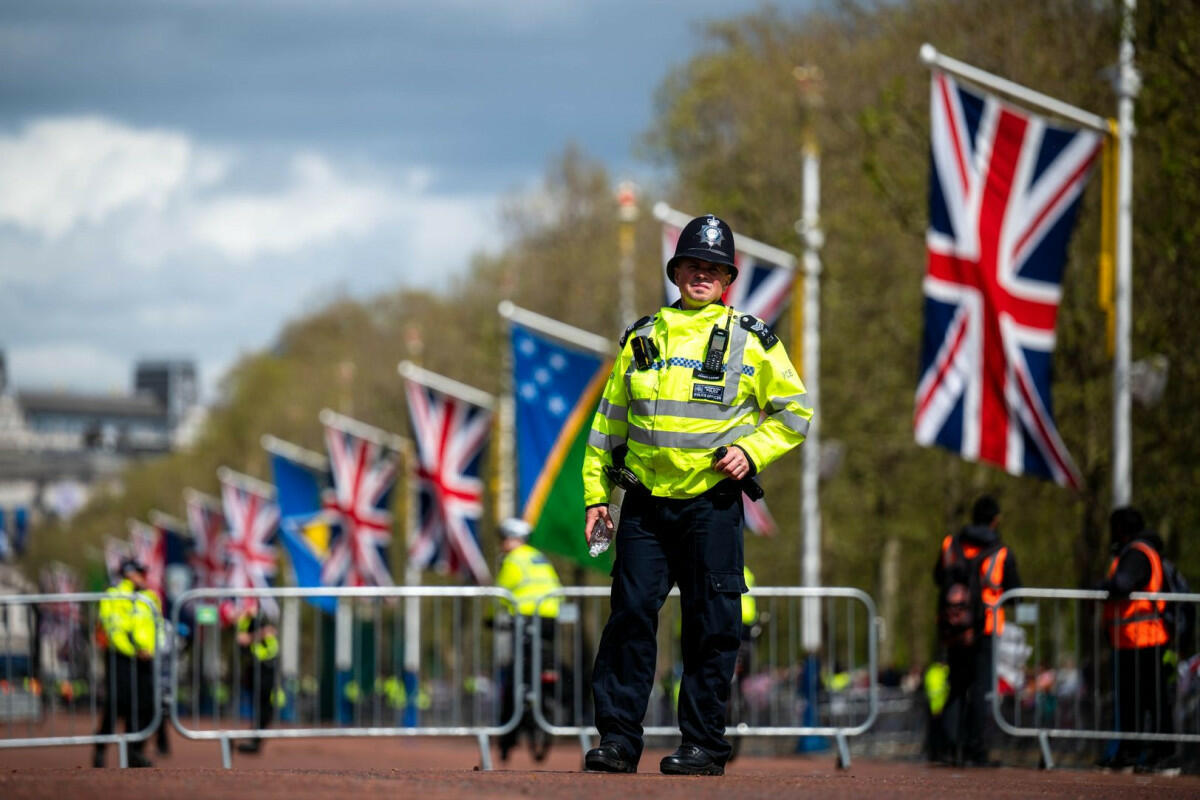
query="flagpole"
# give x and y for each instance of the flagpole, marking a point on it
(1030, 97)
(559, 331)
(1127, 84)
(362, 430)
(808, 80)
(294, 452)
(247, 482)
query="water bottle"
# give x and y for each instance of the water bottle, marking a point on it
(600, 539)
(601, 536)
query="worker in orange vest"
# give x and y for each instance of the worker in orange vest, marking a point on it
(973, 569)
(1139, 638)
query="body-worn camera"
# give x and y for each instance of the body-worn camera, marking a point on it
(645, 351)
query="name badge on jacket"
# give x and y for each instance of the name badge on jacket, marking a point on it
(704, 391)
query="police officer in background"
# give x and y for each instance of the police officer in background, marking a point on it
(130, 633)
(257, 639)
(680, 414)
(528, 575)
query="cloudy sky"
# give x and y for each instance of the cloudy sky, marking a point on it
(179, 177)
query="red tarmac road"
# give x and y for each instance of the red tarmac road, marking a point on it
(433, 769)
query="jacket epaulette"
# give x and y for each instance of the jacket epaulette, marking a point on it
(759, 329)
(646, 320)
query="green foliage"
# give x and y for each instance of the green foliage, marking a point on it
(729, 130)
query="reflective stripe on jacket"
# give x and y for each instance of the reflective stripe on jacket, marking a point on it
(1134, 624)
(991, 580)
(129, 625)
(529, 575)
(672, 421)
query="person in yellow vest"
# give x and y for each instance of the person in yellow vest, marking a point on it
(529, 576)
(701, 398)
(1139, 637)
(130, 633)
(259, 643)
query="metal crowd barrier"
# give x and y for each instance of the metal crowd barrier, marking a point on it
(54, 679)
(766, 699)
(346, 665)
(1057, 676)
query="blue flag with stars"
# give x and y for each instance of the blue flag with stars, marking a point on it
(556, 388)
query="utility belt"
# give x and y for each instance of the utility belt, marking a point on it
(624, 478)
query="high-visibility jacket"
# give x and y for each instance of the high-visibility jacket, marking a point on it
(529, 575)
(672, 420)
(749, 605)
(1134, 624)
(937, 686)
(130, 626)
(264, 648)
(991, 580)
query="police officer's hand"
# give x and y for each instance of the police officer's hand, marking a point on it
(734, 463)
(594, 513)
(144, 656)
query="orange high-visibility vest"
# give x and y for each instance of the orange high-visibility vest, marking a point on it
(991, 581)
(1134, 624)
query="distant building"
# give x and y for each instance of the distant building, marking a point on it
(55, 446)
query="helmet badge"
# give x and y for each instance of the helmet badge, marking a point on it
(710, 233)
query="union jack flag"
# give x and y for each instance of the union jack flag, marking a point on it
(762, 286)
(149, 548)
(207, 524)
(450, 435)
(364, 472)
(758, 517)
(252, 515)
(1004, 191)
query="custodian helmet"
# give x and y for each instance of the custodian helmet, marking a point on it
(515, 528)
(706, 238)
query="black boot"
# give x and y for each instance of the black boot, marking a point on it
(607, 758)
(250, 746)
(98, 756)
(690, 760)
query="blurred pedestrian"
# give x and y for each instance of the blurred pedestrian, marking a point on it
(973, 569)
(259, 644)
(1140, 640)
(529, 576)
(129, 633)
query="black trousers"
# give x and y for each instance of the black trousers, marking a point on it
(128, 695)
(508, 673)
(965, 715)
(258, 678)
(697, 544)
(1144, 698)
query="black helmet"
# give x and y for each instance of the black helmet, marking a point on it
(706, 238)
(131, 565)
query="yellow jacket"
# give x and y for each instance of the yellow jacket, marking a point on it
(528, 575)
(672, 421)
(130, 626)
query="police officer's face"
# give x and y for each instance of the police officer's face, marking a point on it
(700, 282)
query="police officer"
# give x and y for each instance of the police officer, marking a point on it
(529, 576)
(1139, 636)
(256, 637)
(681, 414)
(130, 634)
